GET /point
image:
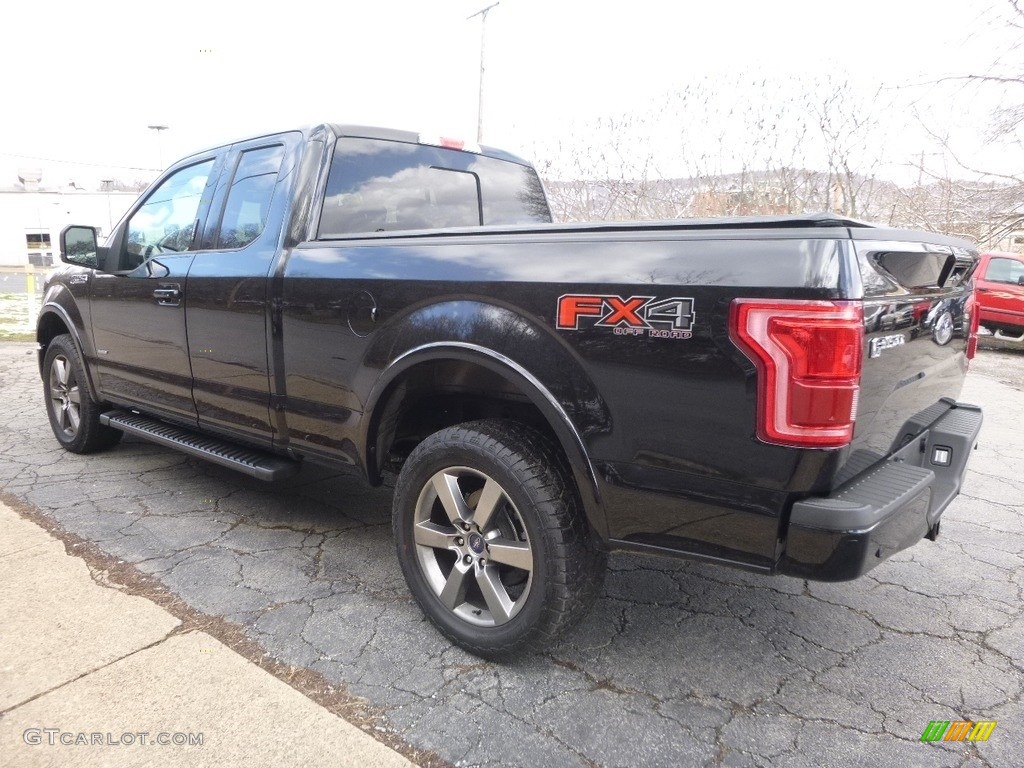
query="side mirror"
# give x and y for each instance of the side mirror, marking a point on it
(1020, 280)
(78, 246)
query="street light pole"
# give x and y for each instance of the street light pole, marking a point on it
(107, 183)
(159, 149)
(482, 13)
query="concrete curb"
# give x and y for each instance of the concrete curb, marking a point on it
(92, 676)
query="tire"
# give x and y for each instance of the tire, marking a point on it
(74, 415)
(492, 538)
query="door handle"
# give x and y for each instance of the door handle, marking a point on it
(168, 295)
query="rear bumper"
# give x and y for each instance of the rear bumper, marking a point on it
(887, 508)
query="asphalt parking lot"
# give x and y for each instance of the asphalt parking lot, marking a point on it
(677, 664)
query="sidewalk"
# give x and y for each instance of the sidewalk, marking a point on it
(91, 676)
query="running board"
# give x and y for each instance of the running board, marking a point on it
(1007, 337)
(251, 461)
(984, 334)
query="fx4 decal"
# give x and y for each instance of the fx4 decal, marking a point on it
(634, 316)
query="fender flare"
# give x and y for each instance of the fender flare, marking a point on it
(53, 308)
(565, 431)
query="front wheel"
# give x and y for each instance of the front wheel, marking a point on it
(492, 539)
(74, 415)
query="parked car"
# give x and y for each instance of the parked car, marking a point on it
(999, 282)
(776, 394)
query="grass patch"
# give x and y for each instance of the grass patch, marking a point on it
(16, 320)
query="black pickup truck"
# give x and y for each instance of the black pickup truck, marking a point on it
(777, 394)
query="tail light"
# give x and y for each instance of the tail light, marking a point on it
(808, 356)
(972, 315)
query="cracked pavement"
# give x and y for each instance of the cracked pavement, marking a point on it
(677, 663)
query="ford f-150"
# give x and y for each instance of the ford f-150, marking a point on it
(777, 394)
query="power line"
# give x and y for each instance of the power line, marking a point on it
(78, 162)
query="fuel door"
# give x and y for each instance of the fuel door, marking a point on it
(362, 314)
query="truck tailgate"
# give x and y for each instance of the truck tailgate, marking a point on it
(917, 303)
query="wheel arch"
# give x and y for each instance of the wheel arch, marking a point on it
(53, 321)
(387, 397)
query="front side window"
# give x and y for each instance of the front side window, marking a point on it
(384, 186)
(167, 220)
(1005, 271)
(248, 203)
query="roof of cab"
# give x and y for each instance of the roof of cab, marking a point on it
(361, 132)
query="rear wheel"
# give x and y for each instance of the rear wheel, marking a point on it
(74, 415)
(492, 539)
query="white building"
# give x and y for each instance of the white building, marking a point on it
(31, 219)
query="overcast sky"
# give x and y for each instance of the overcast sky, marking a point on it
(82, 81)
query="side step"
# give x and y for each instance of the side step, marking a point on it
(999, 339)
(1007, 337)
(251, 461)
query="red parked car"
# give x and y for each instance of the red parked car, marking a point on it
(999, 282)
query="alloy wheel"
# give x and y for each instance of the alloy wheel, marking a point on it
(65, 396)
(472, 546)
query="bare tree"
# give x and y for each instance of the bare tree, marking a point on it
(723, 148)
(971, 197)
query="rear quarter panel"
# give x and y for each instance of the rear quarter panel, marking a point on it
(672, 417)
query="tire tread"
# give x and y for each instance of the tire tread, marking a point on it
(92, 436)
(578, 563)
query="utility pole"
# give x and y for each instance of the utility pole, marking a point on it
(107, 184)
(159, 148)
(482, 13)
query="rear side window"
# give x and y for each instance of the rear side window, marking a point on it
(248, 203)
(386, 186)
(1005, 271)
